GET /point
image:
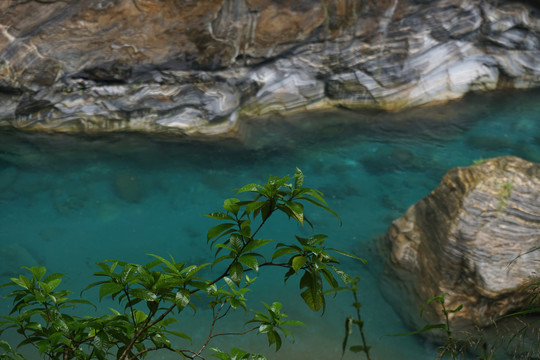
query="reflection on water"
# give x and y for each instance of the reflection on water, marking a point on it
(67, 202)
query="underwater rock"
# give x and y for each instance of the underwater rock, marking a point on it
(390, 160)
(13, 257)
(127, 187)
(483, 142)
(471, 239)
(203, 67)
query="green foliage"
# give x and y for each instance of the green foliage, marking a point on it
(352, 285)
(151, 296)
(452, 348)
(271, 323)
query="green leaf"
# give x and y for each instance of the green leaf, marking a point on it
(248, 187)
(456, 309)
(273, 337)
(324, 207)
(348, 254)
(236, 271)
(143, 294)
(220, 259)
(256, 243)
(53, 284)
(254, 205)
(424, 329)
(22, 281)
(298, 179)
(220, 216)
(346, 278)
(218, 229)
(231, 205)
(313, 295)
(236, 243)
(170, 265)
(101, 342)
(37, 271)
(285, 251)
(179, 334)
(109, 288)
(52, 277)
(182, 298)
(298, 262)
(81, 301)
(250, 261)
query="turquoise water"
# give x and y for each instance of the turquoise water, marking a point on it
(67, 202)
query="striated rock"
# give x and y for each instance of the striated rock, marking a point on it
(470, 238)
(204, 66)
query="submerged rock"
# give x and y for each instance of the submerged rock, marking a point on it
(127, 187)
(471, 238)
(13, 257)
(200, 67)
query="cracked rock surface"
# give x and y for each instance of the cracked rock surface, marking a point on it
(203, 66)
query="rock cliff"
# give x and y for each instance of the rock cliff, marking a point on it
(470, 238)
(203, 66)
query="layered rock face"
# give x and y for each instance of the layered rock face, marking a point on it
(197, 66)
(472, 239)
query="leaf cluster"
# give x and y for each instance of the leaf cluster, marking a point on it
(153, 296)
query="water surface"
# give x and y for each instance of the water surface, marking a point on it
(67, 202)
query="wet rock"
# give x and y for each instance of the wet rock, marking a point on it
(203, 67)
(470, 238)
(391, 160)
(127, 187)
(14, 256)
